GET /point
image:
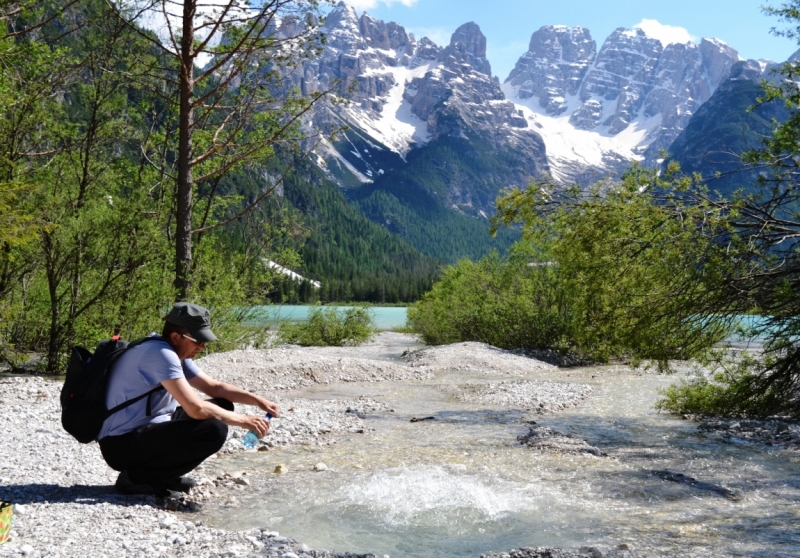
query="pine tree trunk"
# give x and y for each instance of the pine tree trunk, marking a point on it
(183, 234)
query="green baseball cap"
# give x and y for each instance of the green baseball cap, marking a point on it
(194, 318)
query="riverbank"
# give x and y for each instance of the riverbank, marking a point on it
(63, 491)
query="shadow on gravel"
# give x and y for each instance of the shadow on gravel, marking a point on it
(57, 494)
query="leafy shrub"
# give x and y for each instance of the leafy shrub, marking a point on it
(504, 303)
(330, 327)
(609, 273)
(734, 387)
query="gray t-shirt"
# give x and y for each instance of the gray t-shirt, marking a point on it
(137, 371)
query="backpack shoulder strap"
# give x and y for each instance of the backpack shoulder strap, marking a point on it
(129, 402)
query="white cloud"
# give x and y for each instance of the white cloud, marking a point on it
(667, 34)
(360, 5)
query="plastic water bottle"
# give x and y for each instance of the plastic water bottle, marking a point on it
(251, 438)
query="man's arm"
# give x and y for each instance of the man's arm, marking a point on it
(198, 409)
(215, 388)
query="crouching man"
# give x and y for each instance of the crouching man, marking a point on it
(155, 442)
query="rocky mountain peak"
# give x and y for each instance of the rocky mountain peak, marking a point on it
(344, 17)
(467, 47)
(582, 101)
(406, 93)
(554, 66)
(387, 36)
(718, 57)
(749, 70)
(559, 42)
(342, 28)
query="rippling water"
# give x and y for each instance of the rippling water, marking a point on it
(462, 485)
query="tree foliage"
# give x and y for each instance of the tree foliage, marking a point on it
(767, 220)
(227, 94)
(87, 189)
(330, 327)
(611, 272)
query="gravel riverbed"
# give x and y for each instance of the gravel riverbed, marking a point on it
(63, 492)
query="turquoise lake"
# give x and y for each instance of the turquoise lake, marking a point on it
(385, 317)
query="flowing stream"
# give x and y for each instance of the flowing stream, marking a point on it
(461, 484)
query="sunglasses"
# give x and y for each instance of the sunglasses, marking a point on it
(193, 340)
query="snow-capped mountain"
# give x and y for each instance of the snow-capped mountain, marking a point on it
(597, 111)
(406, 93)
(566, 108)
(372, 61)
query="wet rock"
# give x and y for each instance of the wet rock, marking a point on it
(699, 485)
(548, 552)
(781, 432)
(543, 438)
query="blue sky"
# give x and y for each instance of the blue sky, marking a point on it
(508, 24)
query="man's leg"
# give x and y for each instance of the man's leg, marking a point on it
(159, 454)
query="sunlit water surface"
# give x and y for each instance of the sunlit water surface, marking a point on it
(462, 485)
(383, 317)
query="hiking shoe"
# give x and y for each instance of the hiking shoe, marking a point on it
(181, 484)
(125, 485)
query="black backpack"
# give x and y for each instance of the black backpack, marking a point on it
(83, 397)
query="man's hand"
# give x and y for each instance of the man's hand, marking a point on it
(259, 425)
(268, 407)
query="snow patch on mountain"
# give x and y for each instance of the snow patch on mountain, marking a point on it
(327, 155)
(396, 126)
(571, 150)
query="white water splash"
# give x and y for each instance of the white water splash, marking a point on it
(424, 494)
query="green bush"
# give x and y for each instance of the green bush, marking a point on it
(733, 387)
(507, 304)
(608, 273)
(330, 327)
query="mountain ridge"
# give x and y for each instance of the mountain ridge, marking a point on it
(595, 111)
(428, 131)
